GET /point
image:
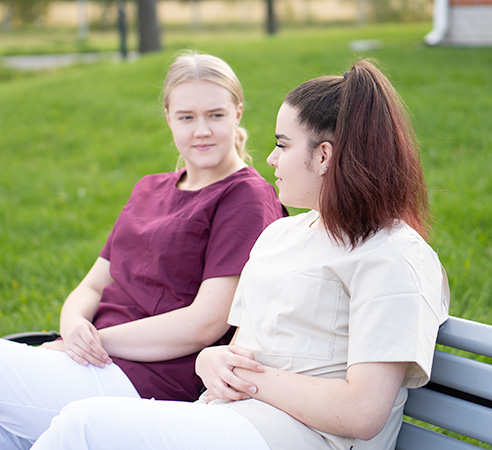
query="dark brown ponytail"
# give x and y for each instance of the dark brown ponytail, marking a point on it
(374, 177)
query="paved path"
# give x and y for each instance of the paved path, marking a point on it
(40, 62)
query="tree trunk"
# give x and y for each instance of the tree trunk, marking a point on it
(83, 20)
(148, 26)
(122, 28)
(271, 22)
(362, 11)
(7, 18)
(195, 14)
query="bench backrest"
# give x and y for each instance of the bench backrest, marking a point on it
(459, 396)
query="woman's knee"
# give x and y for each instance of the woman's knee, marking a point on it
(81, 414)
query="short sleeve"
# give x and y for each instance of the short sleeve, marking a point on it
(234, 318)
(399, 297)
(106, 250)
(242, 213)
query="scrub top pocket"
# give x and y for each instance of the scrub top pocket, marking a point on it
(306, 318)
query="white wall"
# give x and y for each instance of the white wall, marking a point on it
(469, 25)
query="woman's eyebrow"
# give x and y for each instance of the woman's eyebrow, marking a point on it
(188, 111)
(282, 136)
(218, 109)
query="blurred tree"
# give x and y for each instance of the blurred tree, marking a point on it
(148, 26)
(106, 14)
(83, 20)
(149, 36)
(7, 17)
(393, 10)
(24, 11)
(196, 20)
(195, 14)
(122, 28)
(362, 11)
(271, 20)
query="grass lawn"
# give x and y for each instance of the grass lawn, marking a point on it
(74, 141)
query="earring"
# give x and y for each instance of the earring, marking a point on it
(323, 170)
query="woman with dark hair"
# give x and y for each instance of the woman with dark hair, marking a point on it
(337, 309)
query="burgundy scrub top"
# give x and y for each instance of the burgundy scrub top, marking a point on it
(165, 242)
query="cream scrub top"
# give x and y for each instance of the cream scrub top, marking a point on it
(300, 294)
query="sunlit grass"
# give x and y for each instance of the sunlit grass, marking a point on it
(74, 141)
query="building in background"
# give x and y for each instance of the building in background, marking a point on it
(461, 23)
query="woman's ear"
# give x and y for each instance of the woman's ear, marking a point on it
(239, 113)
(326, 150)
(323, 156)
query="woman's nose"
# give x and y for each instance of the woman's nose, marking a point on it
(272, 158)
(202, 128)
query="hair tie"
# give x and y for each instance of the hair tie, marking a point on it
(346, 74)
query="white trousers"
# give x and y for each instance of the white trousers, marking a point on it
(141, 424)
(36, 383)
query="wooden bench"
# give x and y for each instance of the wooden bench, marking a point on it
(458, 397)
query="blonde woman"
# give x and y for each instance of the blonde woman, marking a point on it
(161, 289)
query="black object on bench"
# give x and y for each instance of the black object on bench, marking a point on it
(458, 397)
(33, 337)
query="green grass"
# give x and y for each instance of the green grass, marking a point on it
(29, 40)
(74, 141)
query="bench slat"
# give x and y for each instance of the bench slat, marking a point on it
(451, 413)
(464, 374)
(466, 335)
(413, 437)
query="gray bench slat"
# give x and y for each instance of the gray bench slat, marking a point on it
(463, 374)
(466, 335)
(413, 437)
(451, 413)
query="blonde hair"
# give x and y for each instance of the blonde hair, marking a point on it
(193, 66)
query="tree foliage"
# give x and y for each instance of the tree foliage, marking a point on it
(25, 11)
(399, 10)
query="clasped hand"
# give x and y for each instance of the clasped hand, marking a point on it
(83, 344)
(216, 367)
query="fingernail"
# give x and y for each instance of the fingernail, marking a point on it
(252, 389)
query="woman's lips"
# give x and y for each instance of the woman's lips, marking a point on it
(203, 147)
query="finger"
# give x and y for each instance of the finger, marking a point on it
(91, 345)
(211, 397)
(91, 354)
(227, 393)
(81, 355)
(240, 385)
(77, 358)
(99, 353)
(246, 363)
(242, 352)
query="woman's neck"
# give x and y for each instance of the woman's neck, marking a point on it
(317, 224)
(196, 178)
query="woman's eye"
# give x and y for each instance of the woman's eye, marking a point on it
(217, 116)
(279, 145)
(185, 118)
